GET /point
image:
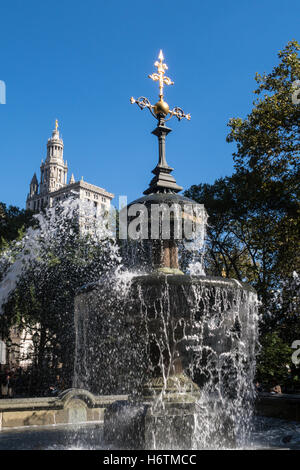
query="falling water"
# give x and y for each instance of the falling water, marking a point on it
(207, 325)
(212, 325)
(57, 223)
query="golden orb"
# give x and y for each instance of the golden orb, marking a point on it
(161, 107)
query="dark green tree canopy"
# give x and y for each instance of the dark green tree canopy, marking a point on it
(254, 214)
(12, 221)
(268, 140)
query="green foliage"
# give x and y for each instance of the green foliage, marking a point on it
(43, 301)
(13, 223)
(268, 139)
(242, 236)
(254, 215)
(274, 360)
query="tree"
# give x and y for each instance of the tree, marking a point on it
(57, 258)
(268, 140)
(268, 145)
(255, 212)
(13, 221)
(273, 360)
(254, 222)
(242, 231)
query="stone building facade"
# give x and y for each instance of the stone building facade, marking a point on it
(53, 186)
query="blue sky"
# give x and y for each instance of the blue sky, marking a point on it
(80, 62)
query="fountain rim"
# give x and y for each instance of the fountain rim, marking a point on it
(155, 278)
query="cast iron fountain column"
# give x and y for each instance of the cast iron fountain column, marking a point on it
(163, 191)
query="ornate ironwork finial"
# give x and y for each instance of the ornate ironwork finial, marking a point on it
(161, 109)
(163, 181)
(160, 76)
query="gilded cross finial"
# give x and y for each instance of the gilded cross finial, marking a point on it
(160, 76)
(163, 181)
(161, 109)
(56, 124)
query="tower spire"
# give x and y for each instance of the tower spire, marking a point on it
(54, 169)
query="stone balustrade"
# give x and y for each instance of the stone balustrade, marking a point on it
(72, 406)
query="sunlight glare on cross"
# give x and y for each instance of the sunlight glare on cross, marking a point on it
(160, 76)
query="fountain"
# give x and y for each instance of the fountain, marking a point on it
(164, 353)
(181, 345)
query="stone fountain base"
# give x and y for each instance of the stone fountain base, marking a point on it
(162, 419)
(167, 328)
(150, 425)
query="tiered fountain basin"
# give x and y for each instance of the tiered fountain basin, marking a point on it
(183, 344)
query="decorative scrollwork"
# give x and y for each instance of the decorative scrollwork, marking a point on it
(168, 81)
(159, 76)
(179, 113)
(143, 103)
(161, 109)
(155, 77)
